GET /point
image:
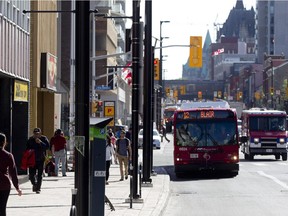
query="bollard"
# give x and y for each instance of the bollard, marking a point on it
(73, 210)
(131, 190)
(140, 179)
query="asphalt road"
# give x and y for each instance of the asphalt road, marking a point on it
(260, 189)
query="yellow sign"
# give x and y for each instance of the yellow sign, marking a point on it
(20, 91)
(109, 111)
(195, 58)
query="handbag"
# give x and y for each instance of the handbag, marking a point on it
(28, 159)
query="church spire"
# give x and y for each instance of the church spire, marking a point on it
(239, 5)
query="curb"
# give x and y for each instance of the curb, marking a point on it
(163, 200)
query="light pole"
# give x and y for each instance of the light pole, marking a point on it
(161, 59)
(160, 76)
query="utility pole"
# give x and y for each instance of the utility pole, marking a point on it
(82, 122)
(148, 87)
(135, 93)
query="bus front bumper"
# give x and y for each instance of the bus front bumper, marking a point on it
(182, 168)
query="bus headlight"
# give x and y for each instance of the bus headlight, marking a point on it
(282, 140)
(234, 158)
(256, 140)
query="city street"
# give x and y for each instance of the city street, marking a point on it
(261, 188)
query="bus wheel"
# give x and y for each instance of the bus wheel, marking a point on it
(277, 156)
(179, 175)
(284, 157)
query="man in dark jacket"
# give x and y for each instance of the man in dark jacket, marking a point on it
(40, 144)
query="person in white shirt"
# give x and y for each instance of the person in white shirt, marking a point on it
(109, 153)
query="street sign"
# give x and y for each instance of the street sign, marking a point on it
(109, 111)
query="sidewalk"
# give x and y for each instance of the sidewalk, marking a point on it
(55, 196)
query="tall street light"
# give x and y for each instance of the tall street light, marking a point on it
(161, 59)
(160, 75)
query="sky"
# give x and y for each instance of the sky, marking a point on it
(187, 18)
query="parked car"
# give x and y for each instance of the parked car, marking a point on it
(156, 139)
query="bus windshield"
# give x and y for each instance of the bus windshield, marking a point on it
(206, 133)
(267, 123)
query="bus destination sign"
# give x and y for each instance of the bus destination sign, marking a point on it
(204, 114)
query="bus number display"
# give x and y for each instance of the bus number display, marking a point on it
(186, 115)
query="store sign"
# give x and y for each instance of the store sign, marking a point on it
(48, 71)
(20, 91)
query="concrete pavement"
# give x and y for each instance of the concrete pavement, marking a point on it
(55, 197)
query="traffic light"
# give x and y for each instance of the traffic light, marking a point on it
(94, 106)
(167, 90)
(175, 93)
(219, 94)
(100, 106)
(156, 69)
(195, 57)
(199, 94)
(182, 90)
(271, 91)
(239, 96)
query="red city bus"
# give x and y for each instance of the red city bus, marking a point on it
(206, 139)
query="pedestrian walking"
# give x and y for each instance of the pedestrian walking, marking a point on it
(40, 144)
(8, 171)
(113, 142)
(124, 152)
(109, 153)
(58, 147)
(164, 132)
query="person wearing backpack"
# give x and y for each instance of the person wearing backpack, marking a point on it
(124, 152)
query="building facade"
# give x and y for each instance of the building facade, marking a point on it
(45, 101)
(271, 28)
(14, 74)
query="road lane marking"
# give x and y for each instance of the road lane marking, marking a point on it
(259, 164)
(273, 178)
(282, 163)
